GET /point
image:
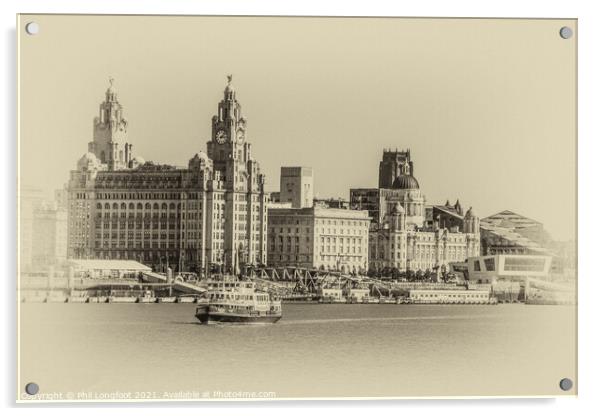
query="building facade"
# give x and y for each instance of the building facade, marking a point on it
(404, 234)
(394, 245)
(318, 237)
(30, 199)
(212, 212)
(396, 184)
(510, 233)
(50, 229)
(297, 186)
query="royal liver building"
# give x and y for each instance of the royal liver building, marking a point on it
(211, 213)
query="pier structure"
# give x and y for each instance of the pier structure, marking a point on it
(295, 283)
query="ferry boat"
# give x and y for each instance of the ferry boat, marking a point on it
(237, 301)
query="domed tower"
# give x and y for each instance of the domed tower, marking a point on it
(395, 247)
(398, 218)
(88, 162)
(87, 167)
(406, 188)
(136, 162)
(397, 183)
(405, 181)
(109, 142)
(201, 168)
(200, 161)
(471, 222)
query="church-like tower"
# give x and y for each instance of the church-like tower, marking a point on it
(241, 196)
(211, 213)
(394, 164)
(109, 143)
(228, 146)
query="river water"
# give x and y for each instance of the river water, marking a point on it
(90, 351)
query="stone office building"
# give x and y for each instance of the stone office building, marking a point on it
(395, 245)
(211, 212)
(318, 238)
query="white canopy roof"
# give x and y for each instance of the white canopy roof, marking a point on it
(98, 264)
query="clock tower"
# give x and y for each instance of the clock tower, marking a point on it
(228, 131)
(237, 190)
(110, 144)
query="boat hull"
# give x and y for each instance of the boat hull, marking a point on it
(207, 317)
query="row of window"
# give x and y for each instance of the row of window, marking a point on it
(147, 235)
(288, 257)
(453, 295)
(137, 244)
(310, 221)
(139, 205)
(146, 215)
(147, 196)
(341, 249)
(140, 225)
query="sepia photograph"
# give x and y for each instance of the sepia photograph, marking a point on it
(271, 208)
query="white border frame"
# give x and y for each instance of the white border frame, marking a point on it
(590, 33)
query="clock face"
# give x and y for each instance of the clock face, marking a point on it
(220, 137)
(240, 135)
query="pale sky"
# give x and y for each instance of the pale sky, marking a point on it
(487, 107)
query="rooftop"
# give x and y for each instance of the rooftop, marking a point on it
(513, 237)
(509, 219)
(320, 211)
(98, 264)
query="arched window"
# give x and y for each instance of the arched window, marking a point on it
(172, 206)
(139, 206)
(155, 206)
(164, 206)
(131, 205)
(107, 206)
(123, 205)
(99, 206)
(115, 205)
(147, 205)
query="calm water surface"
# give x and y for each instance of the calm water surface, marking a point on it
(315, 350)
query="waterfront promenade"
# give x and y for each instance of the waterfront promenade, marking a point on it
(154, 288)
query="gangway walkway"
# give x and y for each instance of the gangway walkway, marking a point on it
(177, 284)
